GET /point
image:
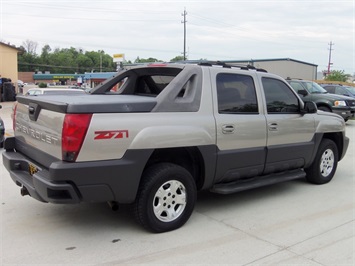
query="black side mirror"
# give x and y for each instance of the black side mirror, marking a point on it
(302, 92)
(310, 108)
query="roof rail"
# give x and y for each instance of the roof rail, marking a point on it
(230, 65)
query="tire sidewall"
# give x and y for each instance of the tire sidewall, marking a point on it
(313, 173)
(168, 172)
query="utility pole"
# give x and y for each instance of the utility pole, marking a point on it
(330, 55)
(184, 21)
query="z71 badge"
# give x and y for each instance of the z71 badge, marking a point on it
(111, 134)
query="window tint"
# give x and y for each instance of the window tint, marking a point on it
(279, 97)
(296, 86)
(340, 90)
(236, 94)
(330, 89)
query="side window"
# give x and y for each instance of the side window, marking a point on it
(236, 94)
(279, 97)
(296, 86)
(340, 90)
(330, 89)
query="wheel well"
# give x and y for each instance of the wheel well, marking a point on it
(189, 158)
(338, 140)
(324, 105)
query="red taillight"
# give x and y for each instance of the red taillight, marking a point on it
(74, 131)
(13, 116)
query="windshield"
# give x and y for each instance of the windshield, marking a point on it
(351, 89)
(313, 87)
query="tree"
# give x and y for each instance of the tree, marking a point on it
(66, 60)
(177, 58)
(337, 75)
(45, 55)
(30, 46)
(148, 60)
(27, 61)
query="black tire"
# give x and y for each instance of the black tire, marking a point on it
(166, 197)
(325, 109)
(325, 163)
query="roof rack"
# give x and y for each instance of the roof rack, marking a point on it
(229, 65)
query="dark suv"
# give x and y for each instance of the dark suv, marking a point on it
(311, 91)
(339, 89)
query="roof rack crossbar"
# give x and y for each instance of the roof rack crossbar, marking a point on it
(230, 65)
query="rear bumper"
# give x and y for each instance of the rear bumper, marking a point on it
(62, 182)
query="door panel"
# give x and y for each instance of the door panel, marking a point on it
(290, 133)
(241, 129)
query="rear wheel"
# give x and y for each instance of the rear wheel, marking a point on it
(325, 163)
(166, 197)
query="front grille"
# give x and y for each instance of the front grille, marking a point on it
(350, 103)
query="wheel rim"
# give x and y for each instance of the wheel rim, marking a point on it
(169, 201)
(327, 162)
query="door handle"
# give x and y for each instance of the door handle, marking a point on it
(272, 126)
(228, 129)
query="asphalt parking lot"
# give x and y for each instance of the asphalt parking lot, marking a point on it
(293, 223)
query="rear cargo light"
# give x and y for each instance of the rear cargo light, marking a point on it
(74, 131)
(157, 65)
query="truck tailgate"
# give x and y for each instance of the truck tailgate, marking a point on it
(42, 133)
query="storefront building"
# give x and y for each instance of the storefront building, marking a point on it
(89, 79)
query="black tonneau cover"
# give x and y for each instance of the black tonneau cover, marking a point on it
(89, 103)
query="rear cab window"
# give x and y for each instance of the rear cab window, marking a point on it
(236, 94)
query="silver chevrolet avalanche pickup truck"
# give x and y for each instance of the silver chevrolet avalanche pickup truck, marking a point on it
(154, 136)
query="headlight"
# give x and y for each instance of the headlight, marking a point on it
(339, 103)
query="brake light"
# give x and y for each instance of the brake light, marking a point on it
(157, 65)
(13, 116)
(75, 127)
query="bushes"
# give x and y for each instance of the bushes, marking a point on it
(42, 85)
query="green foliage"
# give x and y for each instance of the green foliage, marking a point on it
(148, 60)
(42, 85)
(66, 60)
(337, 75)
(177, 58)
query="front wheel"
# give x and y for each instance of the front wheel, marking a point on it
(325, 163)
(166, 197)
(325, 109)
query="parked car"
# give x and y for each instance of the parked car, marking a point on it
(75, 87)
(340, 89)
(328, 102)
(2, 131)
(39, 91)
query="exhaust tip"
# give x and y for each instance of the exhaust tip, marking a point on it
(24, 191)
(113, 205)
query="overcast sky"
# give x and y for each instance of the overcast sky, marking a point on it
(215, 30)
